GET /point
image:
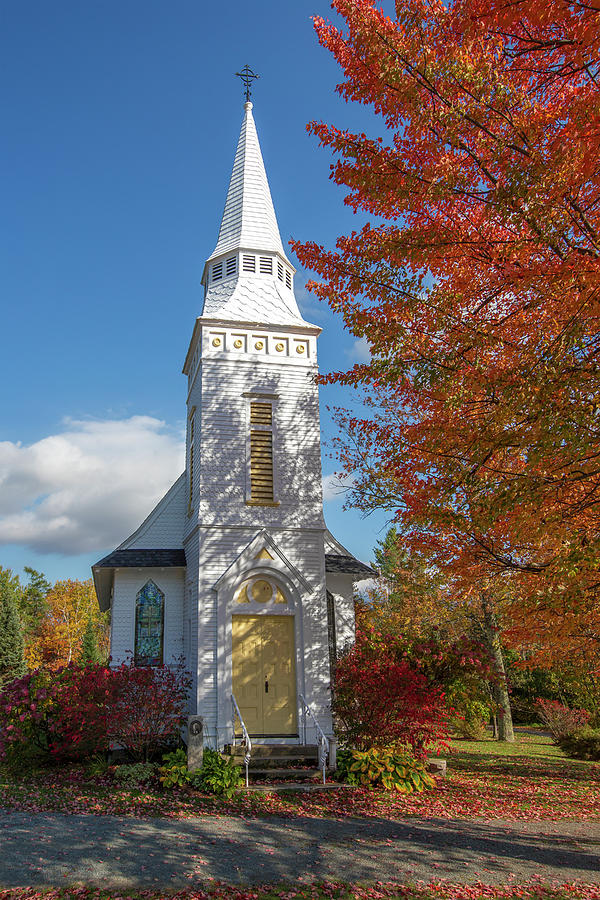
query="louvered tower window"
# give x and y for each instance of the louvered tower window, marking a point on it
(261, 452)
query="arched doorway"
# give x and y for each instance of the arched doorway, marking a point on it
(263, 662)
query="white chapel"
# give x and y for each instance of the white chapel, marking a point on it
(235, 570)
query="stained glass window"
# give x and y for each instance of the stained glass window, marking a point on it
(149, 617)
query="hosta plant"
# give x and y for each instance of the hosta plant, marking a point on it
(174, 771)
(386, 767)
(218, 775)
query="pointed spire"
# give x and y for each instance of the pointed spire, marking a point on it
(249, 220)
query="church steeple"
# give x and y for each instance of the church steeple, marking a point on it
(248, 275)
(249, 219)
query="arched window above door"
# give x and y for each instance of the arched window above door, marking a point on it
(149, 625)
(260, 590)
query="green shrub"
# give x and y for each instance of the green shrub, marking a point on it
(97, 766)
(218, 775)
(135, 775)
(471, 719)
(584, 743)
(174, 771)
(387, 768)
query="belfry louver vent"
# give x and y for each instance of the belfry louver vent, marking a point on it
(249, 264)
(217, 271)
(231, 265)
(266, 265)
(261, 414)
(261, 452)
(288, 279)
(280, 271)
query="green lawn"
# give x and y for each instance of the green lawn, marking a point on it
(528, 780)
(536, 744)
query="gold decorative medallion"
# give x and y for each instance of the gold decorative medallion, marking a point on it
(259, 345)
(237, 344)
(217, 342)
(261, 591)
(300, 348)
(279, 347)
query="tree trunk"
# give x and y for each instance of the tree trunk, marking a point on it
(500, 689)
(494, 714)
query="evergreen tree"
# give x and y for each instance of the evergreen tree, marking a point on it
(12, 660)
(32, 601)
(90, 652)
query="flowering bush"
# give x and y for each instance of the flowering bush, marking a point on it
(77, 711)
(559, 719)
(380, 700)
(149, 708)
(64, 714)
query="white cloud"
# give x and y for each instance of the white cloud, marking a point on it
(87, 487)
(362, 588)
(335, 487)
(360, 351)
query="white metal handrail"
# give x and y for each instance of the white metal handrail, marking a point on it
(246, 742)
(323, 742)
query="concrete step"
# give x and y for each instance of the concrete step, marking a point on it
(279, 751)
(289, 774)
(299, 787)
(279, 762)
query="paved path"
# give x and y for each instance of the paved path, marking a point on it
(49, 848)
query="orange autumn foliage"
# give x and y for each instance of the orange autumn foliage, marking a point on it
(70, 606)
(476, 286)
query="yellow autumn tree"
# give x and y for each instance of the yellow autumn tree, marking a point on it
(71, 605)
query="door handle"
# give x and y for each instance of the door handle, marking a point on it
(266, 686)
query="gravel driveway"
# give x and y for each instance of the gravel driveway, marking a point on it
(49, 848)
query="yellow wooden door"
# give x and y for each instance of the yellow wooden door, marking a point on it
(264, 673)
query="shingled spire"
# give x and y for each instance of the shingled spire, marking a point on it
(249, 219)
(248, 276)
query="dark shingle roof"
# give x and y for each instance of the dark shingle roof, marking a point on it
(142, 559)
(347, 565)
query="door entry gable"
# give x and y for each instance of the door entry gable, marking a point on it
(254, 559)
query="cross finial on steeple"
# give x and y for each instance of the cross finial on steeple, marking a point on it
(247, 75)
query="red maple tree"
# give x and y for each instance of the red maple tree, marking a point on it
(476, 287)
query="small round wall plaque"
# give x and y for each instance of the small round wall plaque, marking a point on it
(279, 347)
(237, 344)
(217, 342)
(300, 348)
(259, 345)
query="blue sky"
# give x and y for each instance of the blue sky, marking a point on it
(120, 121)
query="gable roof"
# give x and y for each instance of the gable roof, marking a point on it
(163, 527)
(142, 558)
(104, 570)
(339, 560)
(338, 564)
